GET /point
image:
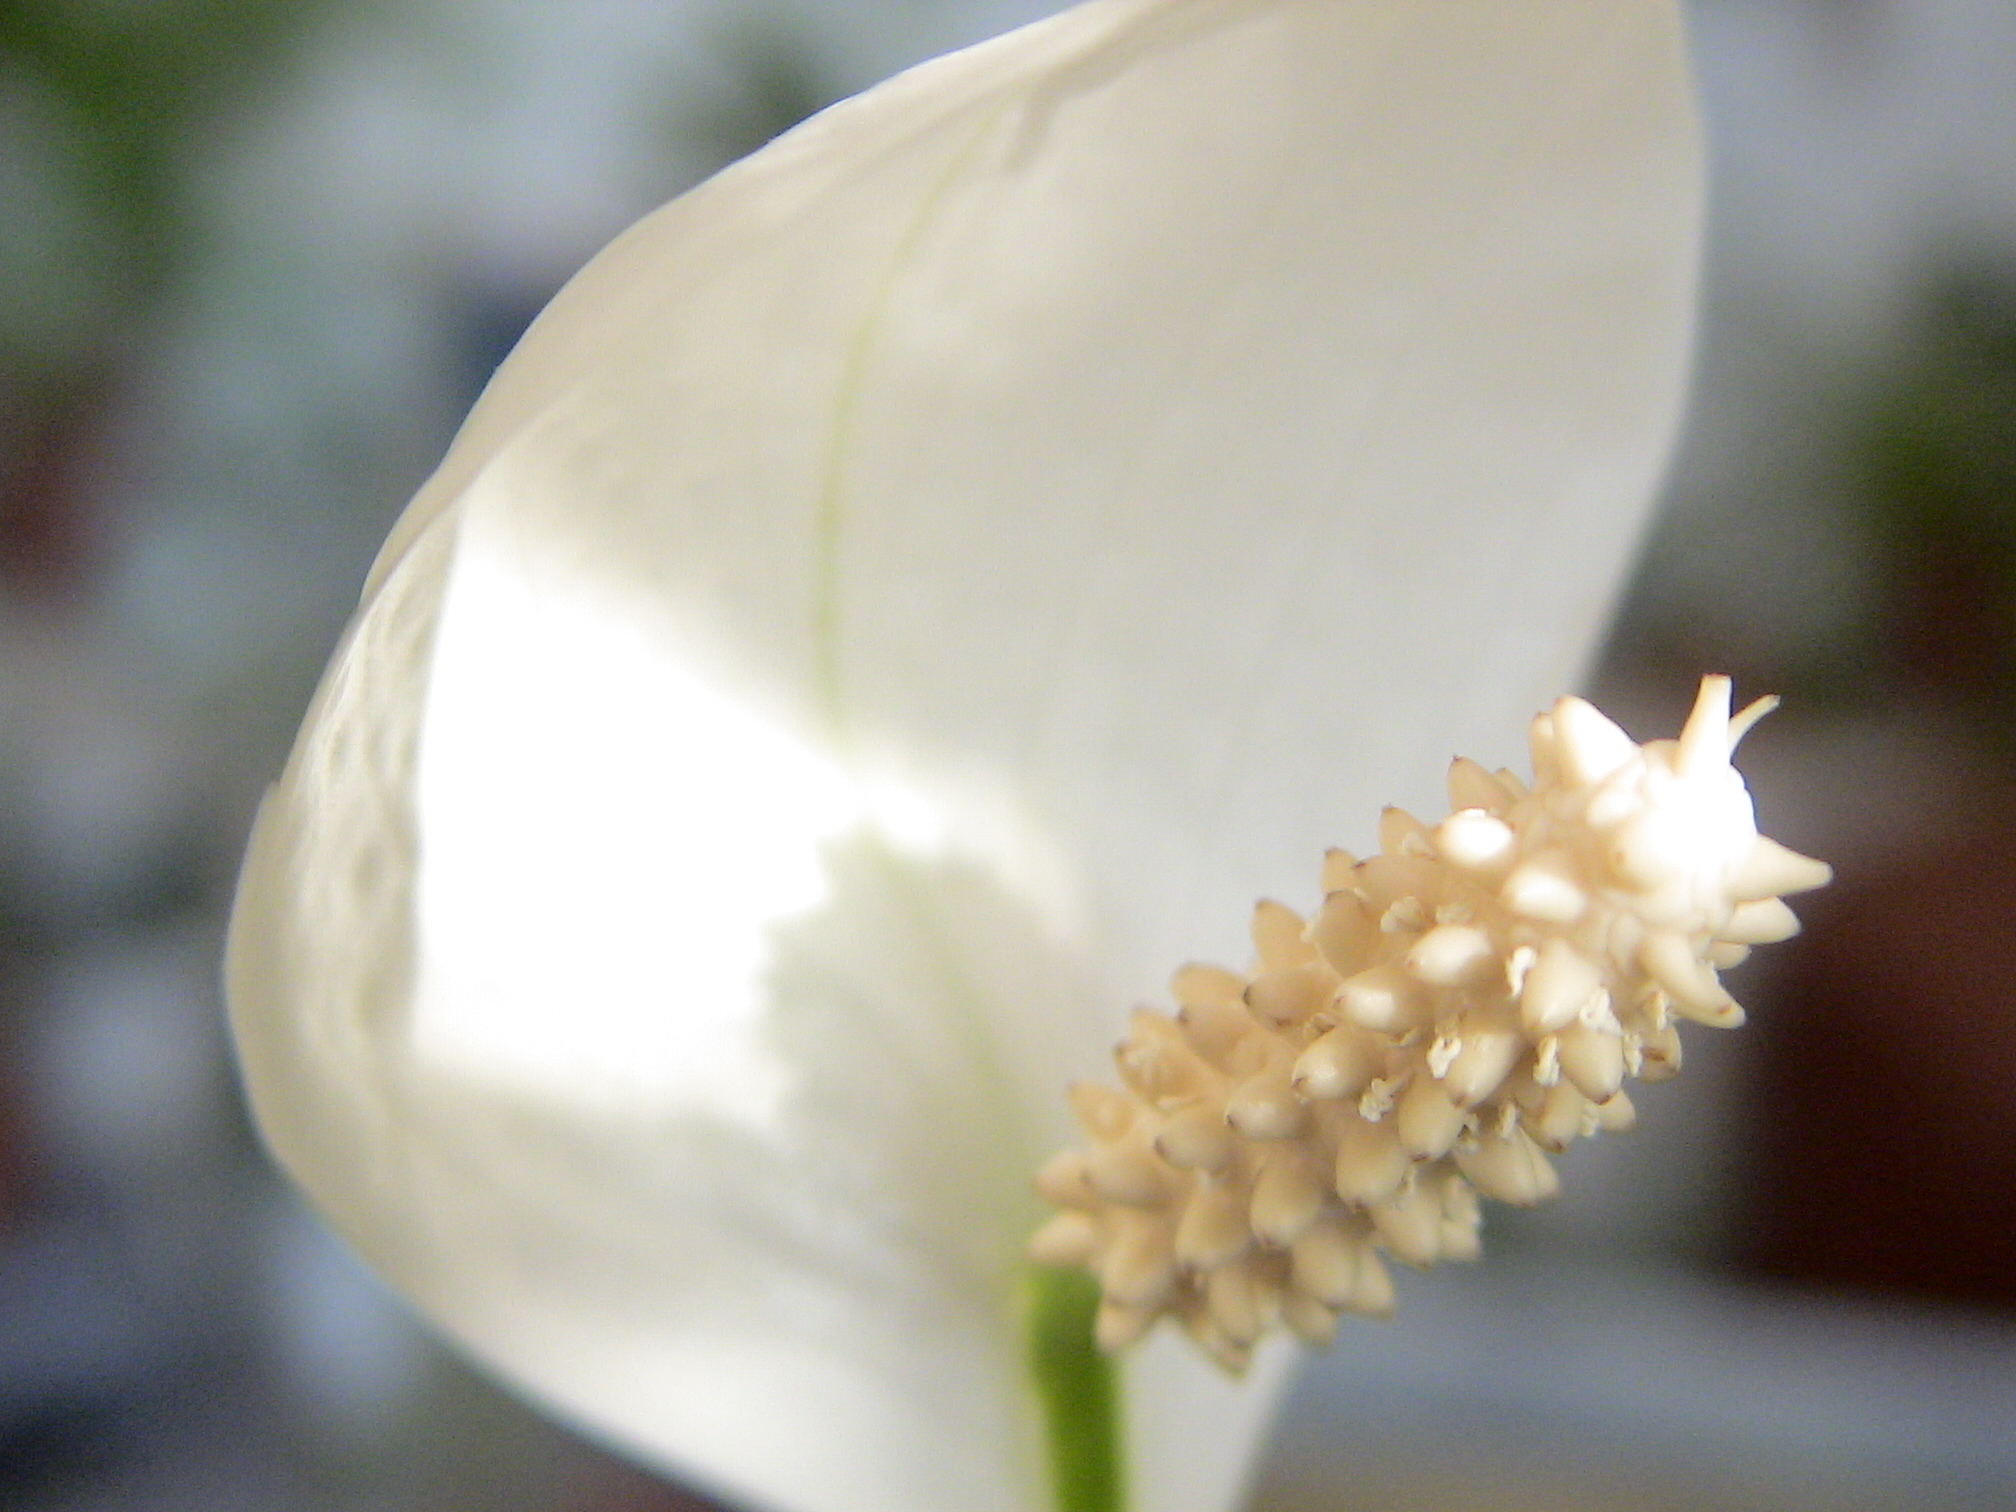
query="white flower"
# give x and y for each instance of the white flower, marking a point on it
(898, 598)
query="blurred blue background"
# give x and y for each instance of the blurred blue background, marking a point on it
(257, 256)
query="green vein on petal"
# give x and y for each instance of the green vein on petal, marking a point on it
(1078, 1389)
(829, 511)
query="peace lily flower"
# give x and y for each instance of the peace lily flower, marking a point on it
(899, 599)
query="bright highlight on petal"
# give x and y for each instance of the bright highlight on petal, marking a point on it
(561, 731)
(1465, 1003)
(895, 600)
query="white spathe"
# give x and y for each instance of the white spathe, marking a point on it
(901, 600)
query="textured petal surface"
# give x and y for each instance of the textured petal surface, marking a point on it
(900, 600)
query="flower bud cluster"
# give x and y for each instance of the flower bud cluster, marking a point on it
(1463, 1005)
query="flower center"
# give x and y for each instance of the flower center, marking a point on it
(1463, 1005)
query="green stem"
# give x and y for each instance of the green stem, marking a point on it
(1079, 1391)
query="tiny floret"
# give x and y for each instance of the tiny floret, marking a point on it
(1462, 1006)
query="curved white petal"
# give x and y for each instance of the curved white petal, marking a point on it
(900, 600)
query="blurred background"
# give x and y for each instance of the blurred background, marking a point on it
(257, 256)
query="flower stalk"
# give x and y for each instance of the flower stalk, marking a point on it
(1078, 1389)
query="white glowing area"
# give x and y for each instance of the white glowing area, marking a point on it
(607, 841)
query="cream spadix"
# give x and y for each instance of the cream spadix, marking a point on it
(1526, 1025)
(899, 597)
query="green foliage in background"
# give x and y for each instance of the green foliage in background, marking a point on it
(106, 100)
(1936, 460)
